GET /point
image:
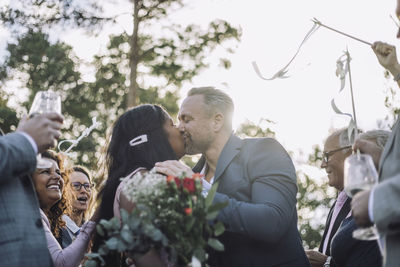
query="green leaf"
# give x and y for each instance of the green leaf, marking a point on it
(100, 230)
(217, 206)
(200, 254)
(215, 244)
(219, 229)
(212, 215)
(126, 234)
(112, 243)
(211, 194)
(90, 263)
(190, 223)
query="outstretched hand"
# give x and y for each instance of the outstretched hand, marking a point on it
(173, 167)
(387, 57)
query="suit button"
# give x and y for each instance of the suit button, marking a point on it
(39, 223)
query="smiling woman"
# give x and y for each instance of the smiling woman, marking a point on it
(49, 186)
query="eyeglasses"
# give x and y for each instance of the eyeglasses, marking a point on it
(77, 186)
(327, 154)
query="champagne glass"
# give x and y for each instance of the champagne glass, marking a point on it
(45, 102)
(359, 175)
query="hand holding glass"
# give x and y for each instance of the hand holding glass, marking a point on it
(360, 174)
(45, 102)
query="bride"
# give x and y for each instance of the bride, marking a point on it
(141, 137)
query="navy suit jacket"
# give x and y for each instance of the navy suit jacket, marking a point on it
(22, 238)
(258, 180)
(341, 216)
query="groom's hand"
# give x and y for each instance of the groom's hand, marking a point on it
(173, 167)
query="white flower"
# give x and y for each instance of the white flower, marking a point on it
(144, 185)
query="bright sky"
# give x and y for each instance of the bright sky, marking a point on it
(272, 31)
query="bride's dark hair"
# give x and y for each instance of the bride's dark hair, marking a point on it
(122, 158)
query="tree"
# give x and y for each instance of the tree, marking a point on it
(154, 66)
(41, 65)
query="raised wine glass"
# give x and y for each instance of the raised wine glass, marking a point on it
(359, 175)
(45, 102)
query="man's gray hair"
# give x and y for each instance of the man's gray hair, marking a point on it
(343, 138)
(216, 100)
(380, 137)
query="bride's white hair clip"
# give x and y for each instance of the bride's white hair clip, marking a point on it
(138, 140)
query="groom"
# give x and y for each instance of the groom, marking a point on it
(257, 179)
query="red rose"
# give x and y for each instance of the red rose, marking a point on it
(188, 211)
(177, 181)
(188, 183)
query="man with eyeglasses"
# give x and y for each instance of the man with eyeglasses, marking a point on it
(337, 147)
(338, 247)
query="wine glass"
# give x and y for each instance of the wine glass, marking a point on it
(45, 102)
(359, 175)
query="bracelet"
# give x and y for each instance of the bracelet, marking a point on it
(396, 77)
(328, 262)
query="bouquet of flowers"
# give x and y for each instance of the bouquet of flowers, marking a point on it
(170, 215)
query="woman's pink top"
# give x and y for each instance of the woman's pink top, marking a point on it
(117, 204)
(72, 255)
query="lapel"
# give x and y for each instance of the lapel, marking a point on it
(336, 224)
(328, 222)
(388, 145)
(230, 150)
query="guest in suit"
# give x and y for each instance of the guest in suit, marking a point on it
(337, 147)
(337, 238)
(380, 205)
(256, 178)
(81, 189)
(22, 238)
(345, 250)
(49, 186)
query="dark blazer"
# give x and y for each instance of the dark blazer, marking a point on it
(350, 252)
(258, 180)
(341, 216)
(22, 239)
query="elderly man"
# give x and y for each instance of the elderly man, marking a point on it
(22, 238)
(380, 206)
(256, 178)
(336, 149)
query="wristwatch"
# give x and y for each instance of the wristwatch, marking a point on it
(328, 262)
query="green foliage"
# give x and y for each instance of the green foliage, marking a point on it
(262, 129)
(41, 15)
(161, 62)
(8, 116)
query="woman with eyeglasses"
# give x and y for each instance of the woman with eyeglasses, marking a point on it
(81, 192)
(49, 186)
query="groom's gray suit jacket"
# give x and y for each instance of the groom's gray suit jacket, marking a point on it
(258, 180)
(386, 201)
(22, 238)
